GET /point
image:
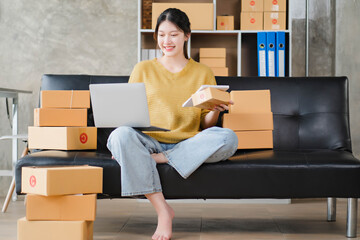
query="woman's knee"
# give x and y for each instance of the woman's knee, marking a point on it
(230, 139)
(228, 136)
(119, 135)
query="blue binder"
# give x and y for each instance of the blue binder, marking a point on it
(261, 53)
(270, 54)
(280, 54)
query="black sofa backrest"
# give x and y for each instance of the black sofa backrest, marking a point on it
(309, 113)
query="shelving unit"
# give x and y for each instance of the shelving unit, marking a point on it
(241, 46)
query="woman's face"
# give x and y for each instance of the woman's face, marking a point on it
(171, 39)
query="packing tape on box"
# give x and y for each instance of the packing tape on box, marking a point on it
(274, 15)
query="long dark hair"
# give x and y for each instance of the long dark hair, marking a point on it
(177, 17)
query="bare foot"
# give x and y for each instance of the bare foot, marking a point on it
(164, 227)
(159, 158)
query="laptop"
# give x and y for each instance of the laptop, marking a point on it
(121, 104)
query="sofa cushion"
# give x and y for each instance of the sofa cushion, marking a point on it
(249, 174)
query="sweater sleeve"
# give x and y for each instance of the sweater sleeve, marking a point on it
(210, 80)
(135, 76)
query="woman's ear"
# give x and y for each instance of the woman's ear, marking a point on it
(187, 36)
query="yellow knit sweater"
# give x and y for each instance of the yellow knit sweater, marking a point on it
(167, 91)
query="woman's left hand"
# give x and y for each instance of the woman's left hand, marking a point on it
(222, 107)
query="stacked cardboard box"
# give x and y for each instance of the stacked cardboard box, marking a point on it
(215, 58)
(251, 118)
(61, 122)
(60, 202)
(263, 15)
(251, 16)
(274, 14)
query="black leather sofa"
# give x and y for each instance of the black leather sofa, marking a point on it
(312, 156)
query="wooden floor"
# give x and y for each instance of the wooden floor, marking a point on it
(127, 219)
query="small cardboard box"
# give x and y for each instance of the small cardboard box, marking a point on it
(274, 20)
(209, 97)
(54, 230)
(60, 117)
(274, 5)
(213, 62)
(62, 138)
(61, 208)
(248, 121)
(212, 52)
(251, 21)
(250, 101)
(65, 99)
(254, 139)
(224, 71)
(252, 5)
(225, 22)
(201, 15)
(61, 180)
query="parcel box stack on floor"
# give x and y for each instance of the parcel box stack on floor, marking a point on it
(215, 58)
(61, 122)
(251, 118)
(60, 202)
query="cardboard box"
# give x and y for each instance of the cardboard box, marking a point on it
(274, 5)
(62, 138)
(65, 99)
(225, 22)
(248, 121)
(61, 180)
(213, 62)
(60, 117)
(61, 208)
(274, 20)
(251, 21)
(252, 5)
(212, 52)
(250, 101)
(224, 71)
(254, 139)
(209, 97)
(54, 230)
(201, 15)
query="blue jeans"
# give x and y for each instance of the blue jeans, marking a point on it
(132, 149)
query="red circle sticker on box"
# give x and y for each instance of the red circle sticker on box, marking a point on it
(202, 96)
(252, 20)
(252, 3)
(32, 181)
(275, 2)
(83, 138)
(274, 21)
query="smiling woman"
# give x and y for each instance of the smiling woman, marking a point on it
(176, 29)
(192, 139)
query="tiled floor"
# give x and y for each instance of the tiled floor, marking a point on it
(125, 219)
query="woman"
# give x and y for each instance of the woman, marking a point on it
(169, 81)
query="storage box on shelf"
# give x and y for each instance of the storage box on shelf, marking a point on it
(225, 23)
(215, 58)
